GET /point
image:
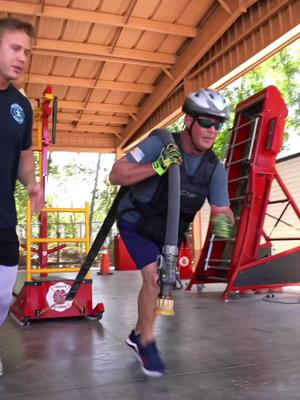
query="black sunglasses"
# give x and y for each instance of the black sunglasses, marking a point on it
(207, 123)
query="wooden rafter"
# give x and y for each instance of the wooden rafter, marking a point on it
(91, 118)
(218, 22)
(89, 128)
(101, 107)
(89, 83)
(97, 18)
(120, 69)
(85, 49)
(97, 57)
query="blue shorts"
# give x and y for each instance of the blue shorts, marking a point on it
(142, 251)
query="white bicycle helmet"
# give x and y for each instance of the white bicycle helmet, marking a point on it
(206, 102)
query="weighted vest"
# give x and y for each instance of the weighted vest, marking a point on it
(193, 192)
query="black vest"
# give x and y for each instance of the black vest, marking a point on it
(193, 189)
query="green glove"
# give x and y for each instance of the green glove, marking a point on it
(169, 155)
(221, 226)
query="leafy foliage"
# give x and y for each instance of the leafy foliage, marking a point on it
(281, 70)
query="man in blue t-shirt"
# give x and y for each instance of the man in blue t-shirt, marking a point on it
(142, 211)
(16, 157)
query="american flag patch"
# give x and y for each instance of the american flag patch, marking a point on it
(137, 154)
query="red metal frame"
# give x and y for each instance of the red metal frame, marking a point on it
(45, 111)
(256, 139)
(46, 114)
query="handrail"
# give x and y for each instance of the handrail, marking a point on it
(30, 239)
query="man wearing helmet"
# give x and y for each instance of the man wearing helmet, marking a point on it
(142, 211)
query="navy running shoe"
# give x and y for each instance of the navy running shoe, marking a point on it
(132, 340)
(151, 363)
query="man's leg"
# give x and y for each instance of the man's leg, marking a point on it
(146, 303)
(141, 339)
(143, 336)
(8, 277)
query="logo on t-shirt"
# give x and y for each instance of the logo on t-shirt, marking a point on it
(17, 112)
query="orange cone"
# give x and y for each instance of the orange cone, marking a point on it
(104, 263)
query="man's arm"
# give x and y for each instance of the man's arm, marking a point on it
(144, 161)
(26, 176)
(218, 195)
(126, 173)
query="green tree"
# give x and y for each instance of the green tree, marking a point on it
(104, 200)
(281, 70)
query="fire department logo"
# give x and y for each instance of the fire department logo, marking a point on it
(184, 261)
(56, 297)
(17, 113)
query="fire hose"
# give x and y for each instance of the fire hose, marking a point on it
(167, 262)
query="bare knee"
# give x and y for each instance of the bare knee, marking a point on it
(150, 279)
(151, 286)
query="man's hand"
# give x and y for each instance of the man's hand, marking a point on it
(169, 155)
(36, 196)
(221, 226)
(222, 220)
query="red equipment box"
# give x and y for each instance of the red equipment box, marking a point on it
(41, 299)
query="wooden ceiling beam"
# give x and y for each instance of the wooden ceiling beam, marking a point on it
(101, 107)
(82, 146)
(234, 41)
(110, 58)
(91, 118)
(78, 135)
(16, 7)
(89, 83)
(225, 5)
(89, 128)
(217, 23)
(73, 14)
(78, 142)
(119, 20)
(85, 49)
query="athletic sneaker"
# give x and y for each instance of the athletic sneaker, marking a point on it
(151, 363)
(132, 341)
(1, 367)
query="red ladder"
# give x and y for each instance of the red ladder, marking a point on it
(243, 261)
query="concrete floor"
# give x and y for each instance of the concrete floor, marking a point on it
(245, 349)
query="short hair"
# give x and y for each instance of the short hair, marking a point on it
(15, 24)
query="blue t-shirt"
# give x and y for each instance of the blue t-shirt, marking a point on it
(15, 136)
(148, 151)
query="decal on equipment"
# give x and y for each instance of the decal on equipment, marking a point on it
(184, 261)
(56, 297)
